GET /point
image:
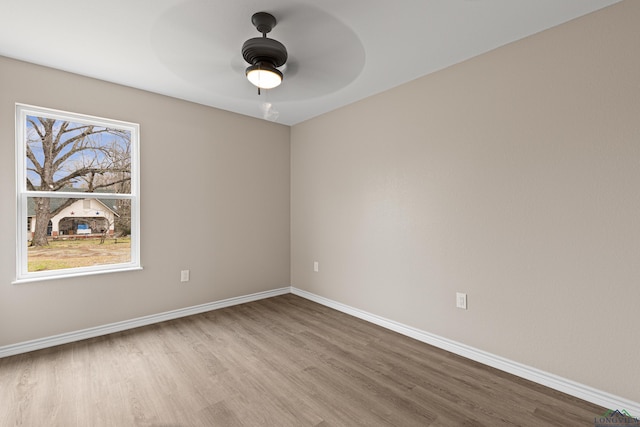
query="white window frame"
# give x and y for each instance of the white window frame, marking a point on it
(22, 194)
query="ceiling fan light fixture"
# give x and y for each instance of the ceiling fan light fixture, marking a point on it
(264, 75)
(264, 54)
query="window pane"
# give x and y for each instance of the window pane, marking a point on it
(63, 155)
(79, 232)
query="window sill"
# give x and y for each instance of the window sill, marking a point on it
(74, 274)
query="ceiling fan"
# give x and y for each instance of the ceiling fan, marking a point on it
(203, 46)
(265, 55)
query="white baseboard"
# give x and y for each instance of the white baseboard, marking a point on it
(555, 382)
(38, 344)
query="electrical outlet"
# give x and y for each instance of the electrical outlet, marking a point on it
(316, 266)
(461, 300)
(184, 276)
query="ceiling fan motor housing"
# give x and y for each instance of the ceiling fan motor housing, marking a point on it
(262, 49)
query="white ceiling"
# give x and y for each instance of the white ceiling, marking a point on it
(340, 51)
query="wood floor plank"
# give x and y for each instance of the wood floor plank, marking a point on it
(282, 361)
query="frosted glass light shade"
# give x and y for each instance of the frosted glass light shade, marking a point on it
(264, 76)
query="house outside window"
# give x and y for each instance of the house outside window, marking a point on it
(77, 194)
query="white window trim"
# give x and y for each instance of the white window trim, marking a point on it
(22, 194)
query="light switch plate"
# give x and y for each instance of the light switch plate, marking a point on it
(461, 300)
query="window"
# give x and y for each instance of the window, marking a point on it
(77, 194)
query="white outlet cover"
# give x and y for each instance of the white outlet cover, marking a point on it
(461, 300)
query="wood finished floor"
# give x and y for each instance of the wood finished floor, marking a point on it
(282, 361)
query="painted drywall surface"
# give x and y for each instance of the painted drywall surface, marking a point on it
(513, 177)
(214, 200)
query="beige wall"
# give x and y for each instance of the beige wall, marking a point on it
(215, 200)
(513, 177)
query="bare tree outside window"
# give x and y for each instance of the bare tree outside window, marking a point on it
(66, 156)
